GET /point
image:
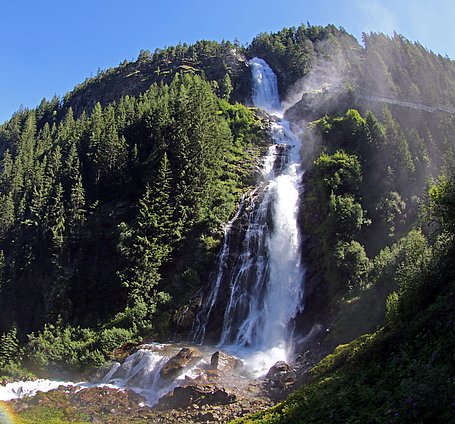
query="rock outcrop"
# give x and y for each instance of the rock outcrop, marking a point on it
(223, 362)
(187, 357)
(194, 394)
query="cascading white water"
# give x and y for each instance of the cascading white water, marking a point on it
(140, 372)
(19, 389)
(265, 280)
(265, 87)
(265, 328)
(264, 275)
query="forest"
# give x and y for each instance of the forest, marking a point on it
(114, 199)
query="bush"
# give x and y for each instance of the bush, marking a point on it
(351, 262)
(11, 351)
(66, 348)
(111, 338)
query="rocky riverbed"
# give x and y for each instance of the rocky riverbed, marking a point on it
(193, 387)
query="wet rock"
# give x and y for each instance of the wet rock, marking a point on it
(281, 376)
(207, 417)
(121, 353)
(187, 357)
(196, 395)
(223, 362)
(279, 367)
(184, 317)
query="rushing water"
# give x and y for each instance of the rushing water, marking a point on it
(258, 284)
(265, 281)
(140, 372)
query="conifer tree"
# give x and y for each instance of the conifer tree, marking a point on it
(227, 87)
(57, 217)
(2, 268)
(7, 213)
(76, 210)
(146, 244)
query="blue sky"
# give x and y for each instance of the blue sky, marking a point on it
(50, 46)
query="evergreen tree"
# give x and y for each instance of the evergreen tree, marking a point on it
(226, 87)
(56, 216)
(76, 210)
(146, 244)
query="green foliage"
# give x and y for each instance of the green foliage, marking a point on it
(95, 207)
(419, 75)
(226, 87)
(442, 202)
(44, 414)
(345, 216)
(11, 351)
(111, 338)
(332, 212)
(105, 211)
(63, 348)
(352, 263)
(391, 376)
(146, 245)
(293, 51)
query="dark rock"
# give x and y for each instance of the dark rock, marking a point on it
(208, 416)
(187, 357)
(281, 376)
(121, 353)
(184, 317)
(279, 367)
(191, 395)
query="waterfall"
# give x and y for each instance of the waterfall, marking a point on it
(257, 287)
(264, 279)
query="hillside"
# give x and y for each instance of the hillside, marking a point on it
(115, 197)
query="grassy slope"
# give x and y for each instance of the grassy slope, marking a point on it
(400, 375)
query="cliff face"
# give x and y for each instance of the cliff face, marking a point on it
(134, 78)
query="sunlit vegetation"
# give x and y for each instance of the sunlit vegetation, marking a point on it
(112, 202)
(95, 208)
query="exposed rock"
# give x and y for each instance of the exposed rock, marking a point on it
(223, 362)
(184, 317)
(194, 402)
(187, 357)
(136, 77)
(279, 367)
(121, 353)
(280, 376)
(196, 396)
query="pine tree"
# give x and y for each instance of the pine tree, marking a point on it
(7, 213)
(72, 164)
(226, 87)
(57, 218)
(162, 208)
(96, 126)
(44, 140)
(2, 267)
(76, 210)
(146, 244)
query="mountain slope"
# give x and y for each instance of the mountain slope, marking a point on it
(113, 200)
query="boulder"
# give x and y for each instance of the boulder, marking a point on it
(223, 362)
(195, 395)
(281, 375)
(187, 357)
